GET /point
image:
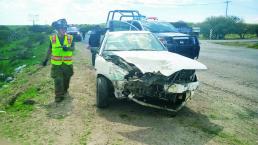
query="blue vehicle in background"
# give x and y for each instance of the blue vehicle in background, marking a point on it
(176, 42)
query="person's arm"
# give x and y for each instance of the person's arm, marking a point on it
(72, 46)
(49, 51)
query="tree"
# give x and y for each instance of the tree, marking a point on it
(41, 28)
(221, 26)
(240, 27)
(253, 29)
(5, 33)
(218, 25)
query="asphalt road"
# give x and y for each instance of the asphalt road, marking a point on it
(234, 69)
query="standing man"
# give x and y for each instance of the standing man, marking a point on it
(94, 42)
(60, 51)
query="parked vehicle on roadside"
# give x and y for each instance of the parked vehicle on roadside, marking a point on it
(183, 44)
(72, 30)
(135, 65)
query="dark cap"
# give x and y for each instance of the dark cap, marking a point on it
(61, 23)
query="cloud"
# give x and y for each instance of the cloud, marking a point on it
(95, 11)
(160, 2)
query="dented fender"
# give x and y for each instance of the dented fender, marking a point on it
(109, 69)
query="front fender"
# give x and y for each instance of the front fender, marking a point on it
(109, 69)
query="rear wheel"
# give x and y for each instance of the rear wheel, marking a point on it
(102, 92)
(171, 114)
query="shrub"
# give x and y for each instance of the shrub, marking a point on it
(37, 38)
(4, 34)
(41, 28)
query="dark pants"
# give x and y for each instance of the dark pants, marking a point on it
(94, 51)
(61, 75)
(93, 57)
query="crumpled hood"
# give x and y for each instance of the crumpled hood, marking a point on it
(165, 62)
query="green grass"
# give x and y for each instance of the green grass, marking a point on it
(19, 105)
(88, 130)
(28, 50)
(242, 44)
(12, 100)
(233, 139)
(16, 114)
(15, 50)
(25, 87)
(16, 120)
(231, 36)
(236, 36)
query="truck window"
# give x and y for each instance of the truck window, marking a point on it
(137, 25)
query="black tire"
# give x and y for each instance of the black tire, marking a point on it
(102, 99)
(172, 114)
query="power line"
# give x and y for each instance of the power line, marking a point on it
(247, 6)
(194, 4)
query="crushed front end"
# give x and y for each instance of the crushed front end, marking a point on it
(154, 89)
(167, 92)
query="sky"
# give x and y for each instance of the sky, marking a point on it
(22, 12)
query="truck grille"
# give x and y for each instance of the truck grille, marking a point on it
(182, 42)
(186, 47)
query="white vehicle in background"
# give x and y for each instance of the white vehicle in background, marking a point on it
(72, 30)
(137, 66)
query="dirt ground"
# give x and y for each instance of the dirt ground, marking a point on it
(223, 111)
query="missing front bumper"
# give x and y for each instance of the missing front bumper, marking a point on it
(179, 107)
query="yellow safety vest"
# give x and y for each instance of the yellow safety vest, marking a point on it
(60, 56)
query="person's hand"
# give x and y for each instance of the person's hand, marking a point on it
(65, 48)
(44, 63)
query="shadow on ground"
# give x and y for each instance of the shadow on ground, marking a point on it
(159, 127)
(60, 110)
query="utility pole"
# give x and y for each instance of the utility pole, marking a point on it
(211, 33)
(34, 18)
(227, 2)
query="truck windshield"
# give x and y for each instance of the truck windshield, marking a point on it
(158, 27)
(133, 42)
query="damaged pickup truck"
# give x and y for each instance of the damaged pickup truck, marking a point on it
(137, 66)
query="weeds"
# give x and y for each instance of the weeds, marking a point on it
(233, 139)
(243, 44)
(23, 45)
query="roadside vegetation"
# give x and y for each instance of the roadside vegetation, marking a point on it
(240, 44)
(19, 100)
(22, 46)
(28, 115)
(232, 27)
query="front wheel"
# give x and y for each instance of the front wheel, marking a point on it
(102, 92)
